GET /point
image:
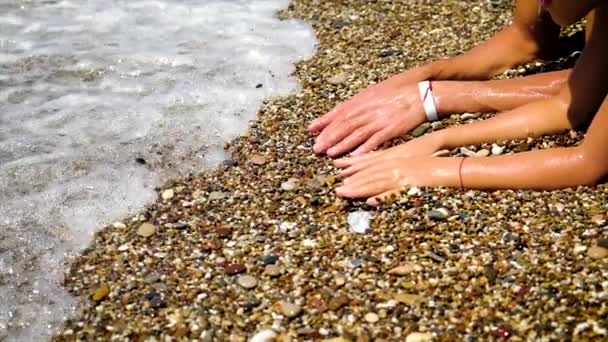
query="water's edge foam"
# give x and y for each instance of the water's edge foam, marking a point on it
(76, 129)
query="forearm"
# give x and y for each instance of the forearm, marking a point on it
(545, 169)
(508, 48)
(532, 120)
(496, 95)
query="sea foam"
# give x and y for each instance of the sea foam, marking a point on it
(89, 90)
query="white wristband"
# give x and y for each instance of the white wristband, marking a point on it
(428, 101)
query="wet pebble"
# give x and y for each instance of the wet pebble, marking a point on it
(338, 302)
(289, 309)
(405, 269)
(247, 281)
(168, 194)
(289, 185)
(273, 271)
(497, 149)
(146, 230)
(371, 317)
(267, 335)
(235, 268)
(597, 252)
(152, 278)
(100, 293)
(359, 221)
(155, 300)
(419, 337)
(338, 78)
(420, 130)
(258, 159)
(438, 214)
(409, 299)
(269, 260)
(216, 195)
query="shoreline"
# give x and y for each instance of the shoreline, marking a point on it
(232, 252)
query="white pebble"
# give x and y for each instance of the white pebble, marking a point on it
(419, 337)
(371, 317)
(414, 191)
(359, 221)
(267, 335)
(168, 194)
(497, 150)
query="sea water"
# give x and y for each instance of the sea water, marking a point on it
(103, 100)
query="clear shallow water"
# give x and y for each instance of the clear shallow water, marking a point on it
(86, 87)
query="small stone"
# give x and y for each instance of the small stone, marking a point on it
(371, 317)
(466, 152)
(482, 153)
(598, 219)
(146, 230)
(223, 232)
(247, 281)
(314, 183)
(467, 116)
(420, 130)
(119, 225)
(235, 268)
(438, 214)
(340, 280)
(356, 263)
(597, 252)
(405, 269)
(414, 191)
(310, 243)
(216, 195)
(523, 147)
(258, 159)
(338, 79)
(289, 309)
(338, 302)
(267, 335)
(409, 299)
(419, 337)
(155, 300)
(441, 153)
(287, 226)
(269, 260)
(289, 185)
(603, 243)
(152, 278)
(497, 149)
(579, 249)
(359, 221)
(273, 271)
(168, 194)
(101, 293)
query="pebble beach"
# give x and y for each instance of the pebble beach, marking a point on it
(261, 248)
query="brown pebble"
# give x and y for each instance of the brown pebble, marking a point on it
(405, 269)
(223, 232)
(597, 252)
(258, 159)
(146, 230)
(338, 302)
(101, 293)
(409, 299)
(233, 269)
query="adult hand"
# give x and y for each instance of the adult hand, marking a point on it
(379, 181)
(425, 145)
(379, 113)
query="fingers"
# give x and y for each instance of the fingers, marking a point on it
(348, 161)
(365, 188)
(373, 142)
(352, 140)
(317, 125)
(335, 132)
